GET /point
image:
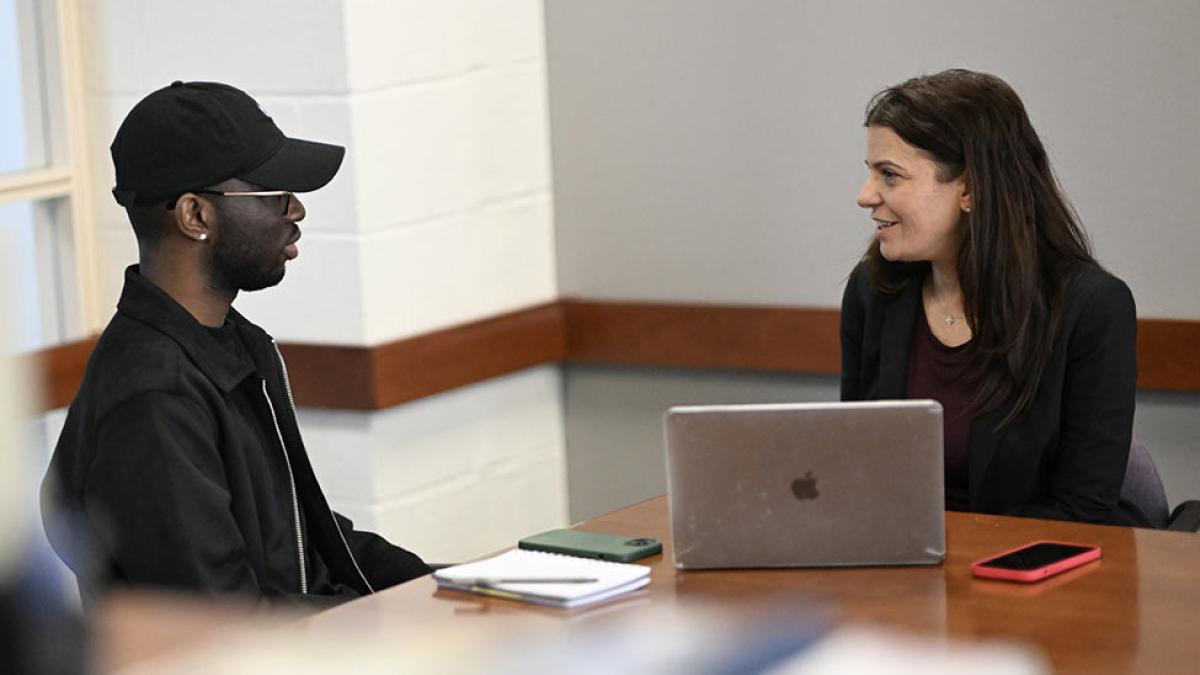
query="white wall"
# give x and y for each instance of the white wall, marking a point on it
(710, 151)
(441, 214)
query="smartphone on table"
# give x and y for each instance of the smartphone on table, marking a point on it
(1035, 561)
(585, 544)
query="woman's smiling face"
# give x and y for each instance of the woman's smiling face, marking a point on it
(917, 216)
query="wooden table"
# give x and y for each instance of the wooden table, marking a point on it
(1136, 610)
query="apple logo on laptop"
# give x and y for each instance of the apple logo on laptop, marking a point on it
(805, 487)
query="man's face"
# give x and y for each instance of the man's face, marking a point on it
(255, 238)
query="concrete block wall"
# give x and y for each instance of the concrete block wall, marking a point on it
(441, 214)
(453, 475)
(454, 187)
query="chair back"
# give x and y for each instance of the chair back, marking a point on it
(1143, 487)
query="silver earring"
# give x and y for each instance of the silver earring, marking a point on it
(203, 236)
(967, 209)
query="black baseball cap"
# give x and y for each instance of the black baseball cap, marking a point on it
(190, 135)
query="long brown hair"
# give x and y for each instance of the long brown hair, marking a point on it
(1022, 241)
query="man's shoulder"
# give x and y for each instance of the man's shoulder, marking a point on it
(132, 358)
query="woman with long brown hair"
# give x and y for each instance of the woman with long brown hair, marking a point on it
(979, 290)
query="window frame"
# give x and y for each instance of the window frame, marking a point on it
(66, 174)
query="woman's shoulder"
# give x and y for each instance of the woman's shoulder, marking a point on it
(1092, 284)
(1097, 302)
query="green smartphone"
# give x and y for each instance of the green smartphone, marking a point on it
(592, 545)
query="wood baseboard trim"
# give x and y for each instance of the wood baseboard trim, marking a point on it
(407, 370)
(778, 339)
(788, 339)
(58, 370)
(1167, 354)
(372, 378)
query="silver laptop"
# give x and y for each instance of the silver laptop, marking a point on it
(806, 485)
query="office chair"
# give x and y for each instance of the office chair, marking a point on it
(1143, 489)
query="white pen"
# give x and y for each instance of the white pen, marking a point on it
(492, 581)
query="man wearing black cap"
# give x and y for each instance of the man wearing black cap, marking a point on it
(181, 463)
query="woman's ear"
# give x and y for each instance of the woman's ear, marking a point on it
(193, 217)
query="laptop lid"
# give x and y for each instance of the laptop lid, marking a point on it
(811, 484)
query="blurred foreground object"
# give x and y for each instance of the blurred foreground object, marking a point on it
(699, 638)
(38, 632)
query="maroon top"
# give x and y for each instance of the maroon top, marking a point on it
(936, 371)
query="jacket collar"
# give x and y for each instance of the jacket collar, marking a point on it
(142, 301)
(898, 321)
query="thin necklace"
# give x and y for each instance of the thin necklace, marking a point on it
(950, 319)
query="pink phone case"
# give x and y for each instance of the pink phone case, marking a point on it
(1039, 573)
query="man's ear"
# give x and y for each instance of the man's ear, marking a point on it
(194, 218)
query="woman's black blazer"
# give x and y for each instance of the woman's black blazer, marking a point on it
(1065, 457)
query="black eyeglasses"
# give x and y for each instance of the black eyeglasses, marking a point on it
(286, 196)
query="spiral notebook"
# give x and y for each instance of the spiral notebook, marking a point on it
(545, 578)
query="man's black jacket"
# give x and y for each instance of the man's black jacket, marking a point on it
(181, 465)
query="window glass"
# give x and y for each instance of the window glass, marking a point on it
(23, 58)
(36, 272)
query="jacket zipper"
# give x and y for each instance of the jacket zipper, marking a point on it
(287, 387)
(295, 502)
